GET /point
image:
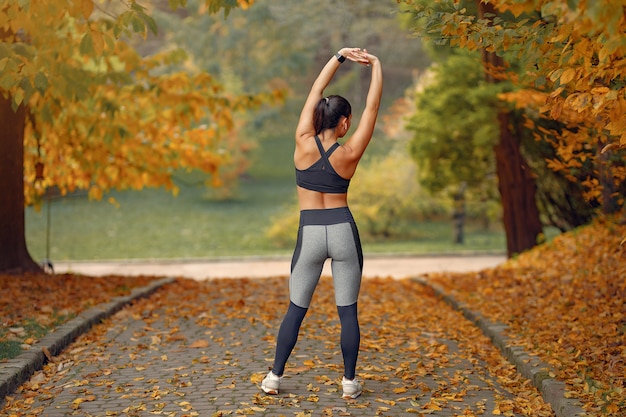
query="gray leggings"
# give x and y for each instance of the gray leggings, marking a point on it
(323, 234)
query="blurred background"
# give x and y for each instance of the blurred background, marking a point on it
(428, 182)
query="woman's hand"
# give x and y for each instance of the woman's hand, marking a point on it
(354, 54)
(367, 58)
(358, 55)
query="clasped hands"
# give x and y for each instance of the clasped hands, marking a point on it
(358, 55)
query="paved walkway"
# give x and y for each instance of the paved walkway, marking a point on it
(200, 347)
(374, 266)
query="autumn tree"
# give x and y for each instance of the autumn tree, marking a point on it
(81, 109)
(515, 180)
(569, 61)
(567, 69)
(455, 153)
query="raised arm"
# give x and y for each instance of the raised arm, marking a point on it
(355, 146)
(305, 126)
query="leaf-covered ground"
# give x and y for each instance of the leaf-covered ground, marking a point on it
(565, 302)
(32, 304)
(201, 349)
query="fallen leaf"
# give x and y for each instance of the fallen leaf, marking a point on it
(199, 344)
(47, 353)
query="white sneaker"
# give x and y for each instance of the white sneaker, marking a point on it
(271, 383)
(351, 388)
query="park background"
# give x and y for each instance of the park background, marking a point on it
(249, 50)
(561, 99)
(399, 209)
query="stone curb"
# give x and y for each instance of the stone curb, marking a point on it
(530, 367)
(19, 369)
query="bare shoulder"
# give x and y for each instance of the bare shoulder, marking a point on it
(305, 142)
(306, 149)
(352, 150)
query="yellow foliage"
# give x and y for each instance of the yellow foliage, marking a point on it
(101, 117)
(576, 280)
(587, 94)
(518, 8)
(573, 69)
(245, 4)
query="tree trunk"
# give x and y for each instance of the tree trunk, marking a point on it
(515, 180)
(605, 177)
(14, 256)
(459, 214)
(517, 190)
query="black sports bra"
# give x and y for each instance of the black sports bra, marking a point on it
(321, 176)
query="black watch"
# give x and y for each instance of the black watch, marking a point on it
(340, 57)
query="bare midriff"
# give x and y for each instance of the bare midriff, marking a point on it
(312, 200)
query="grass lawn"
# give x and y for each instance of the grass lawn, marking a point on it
(154, 224)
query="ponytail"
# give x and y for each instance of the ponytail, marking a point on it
(328, 112)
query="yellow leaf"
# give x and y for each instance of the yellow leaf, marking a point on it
(199, 344)
(432, 406)
(76, 403)
(568, 75)
(517, 8)
(98, 42)
(612, 408)
(608, 148)
(87, 8)
(47, 353)
(256, 378)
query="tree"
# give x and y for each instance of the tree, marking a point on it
(569, 58)
(516, 182)
(454, 128)
(567, 68)
(78, 99)
(466, 130)
(13, 244)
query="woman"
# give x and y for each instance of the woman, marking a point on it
(327, 230)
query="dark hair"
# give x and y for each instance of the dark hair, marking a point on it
(329, 111)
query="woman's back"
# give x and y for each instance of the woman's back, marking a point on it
(330, 118)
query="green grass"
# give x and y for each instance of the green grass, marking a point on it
(31, 329)
(154, 224)
(436, 238)
(10, 349)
